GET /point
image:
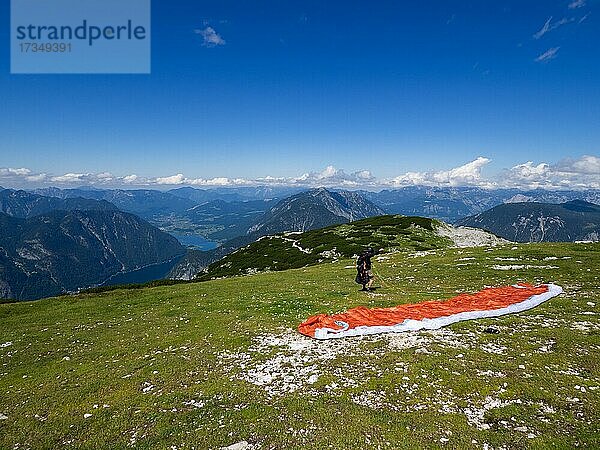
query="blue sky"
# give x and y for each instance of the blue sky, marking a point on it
(246, 90)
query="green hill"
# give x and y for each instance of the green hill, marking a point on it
(293, 250)
(207, 365)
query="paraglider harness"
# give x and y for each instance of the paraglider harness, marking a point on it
(363, 267)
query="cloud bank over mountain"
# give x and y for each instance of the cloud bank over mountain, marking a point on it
(581, 173)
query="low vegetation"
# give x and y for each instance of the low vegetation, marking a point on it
(294, 250)
(207, 365)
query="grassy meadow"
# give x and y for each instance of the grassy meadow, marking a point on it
(211, 364)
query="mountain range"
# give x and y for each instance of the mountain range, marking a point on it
(305, 211)
(313, 209)
(49, 246)
(234, 194)
(52, 245)
(575, 220)
(146, 203)
(454, 203)
(56, 240)
(216, 214)
(212, 213)
(25, 204)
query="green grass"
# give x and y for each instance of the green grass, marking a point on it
(206, 342)
(294, 250)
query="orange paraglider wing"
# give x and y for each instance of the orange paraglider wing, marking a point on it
(433, 314)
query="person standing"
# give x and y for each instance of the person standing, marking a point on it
(364, 269)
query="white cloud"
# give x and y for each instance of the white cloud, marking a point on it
(24, 176)
(130, 179)
(577, 4)
(562, 22)
(543, 30)
(549, 26)
(548, 55)
(332, 176)
(9, 171)
(217, 181)
(173, 179)
(528, 170)
(329, 172)
(70, 178)
(578, 173)
(105, 176)
(581, 173)
(466, 175)
(364, 175)
(527, 175)
(587, 165)
(37, 178)
(210, 37)
(180, 179)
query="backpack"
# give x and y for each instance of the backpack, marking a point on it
(361, 273)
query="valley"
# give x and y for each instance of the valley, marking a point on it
(228, 221)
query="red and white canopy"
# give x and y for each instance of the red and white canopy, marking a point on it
(490, 302)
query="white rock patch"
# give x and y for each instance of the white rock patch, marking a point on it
(521, 267)
(469, 237)
(287, 362)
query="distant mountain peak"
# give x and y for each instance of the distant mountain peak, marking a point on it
(313, 209)
(576, 220)
(519, 198)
